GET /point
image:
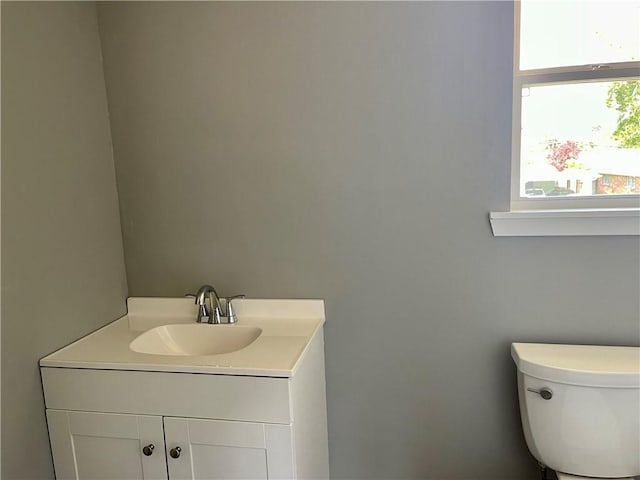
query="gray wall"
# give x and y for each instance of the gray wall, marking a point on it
(62, 263)
(352, 151)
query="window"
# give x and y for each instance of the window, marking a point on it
(576, 106)
(631, 183)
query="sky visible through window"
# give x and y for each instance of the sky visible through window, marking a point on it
(568, 140)
(573, 32)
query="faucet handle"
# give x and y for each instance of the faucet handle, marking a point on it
(231, 314)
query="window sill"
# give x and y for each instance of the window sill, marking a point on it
(536, 223)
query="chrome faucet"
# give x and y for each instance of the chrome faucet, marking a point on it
(210, 315)
(216, 312)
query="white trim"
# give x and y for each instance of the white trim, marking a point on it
(533, 223)
(597, 70)
(557, 76)
(576, 202)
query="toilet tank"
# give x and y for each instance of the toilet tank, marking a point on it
(580, 407)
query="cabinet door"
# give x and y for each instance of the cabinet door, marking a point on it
(216, 449)
(101, 446)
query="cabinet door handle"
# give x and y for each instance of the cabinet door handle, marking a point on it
(175, 452)
(148, 450)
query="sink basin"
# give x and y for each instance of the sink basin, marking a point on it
(194, 339)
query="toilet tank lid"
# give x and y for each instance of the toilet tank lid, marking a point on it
(586, 365)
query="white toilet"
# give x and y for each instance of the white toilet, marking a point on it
(580, 408)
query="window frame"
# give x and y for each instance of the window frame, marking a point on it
(631, 182)
(557, 76)
(562, 216)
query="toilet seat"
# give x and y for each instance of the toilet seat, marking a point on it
(566, 476)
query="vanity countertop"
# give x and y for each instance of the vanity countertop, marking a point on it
(287, 329)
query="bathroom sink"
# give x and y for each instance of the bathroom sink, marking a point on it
(162, 335)
(194, 339)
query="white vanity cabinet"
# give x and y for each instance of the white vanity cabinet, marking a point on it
(221, 449)
(105, 445)
(256, 412)
(89, 445)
